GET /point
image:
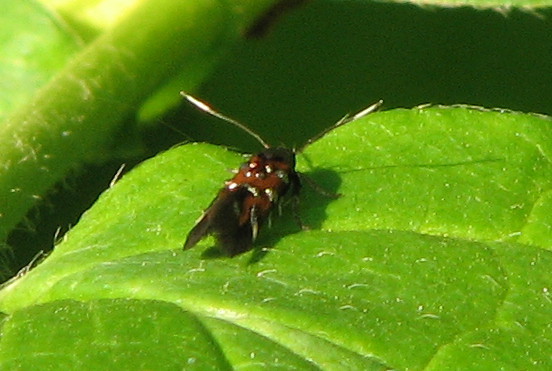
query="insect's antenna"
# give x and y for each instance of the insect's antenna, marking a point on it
(206, 108)
(346, 119)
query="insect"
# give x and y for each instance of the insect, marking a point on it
(259, 186)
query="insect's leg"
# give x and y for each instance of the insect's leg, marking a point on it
(296, 214)
(254, 221)
(269, 220)
(318, 188)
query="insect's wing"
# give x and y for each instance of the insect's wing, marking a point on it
(222, 219)
(200, 230)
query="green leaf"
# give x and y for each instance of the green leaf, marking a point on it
(137, 335)
(451, 172)
(436, 255)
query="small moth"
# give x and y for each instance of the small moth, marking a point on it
(260, 185)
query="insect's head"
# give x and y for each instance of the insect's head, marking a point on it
(280, 154)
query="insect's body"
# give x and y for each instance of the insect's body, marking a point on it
(247, 200)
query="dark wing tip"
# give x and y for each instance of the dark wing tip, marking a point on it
(199, 231)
